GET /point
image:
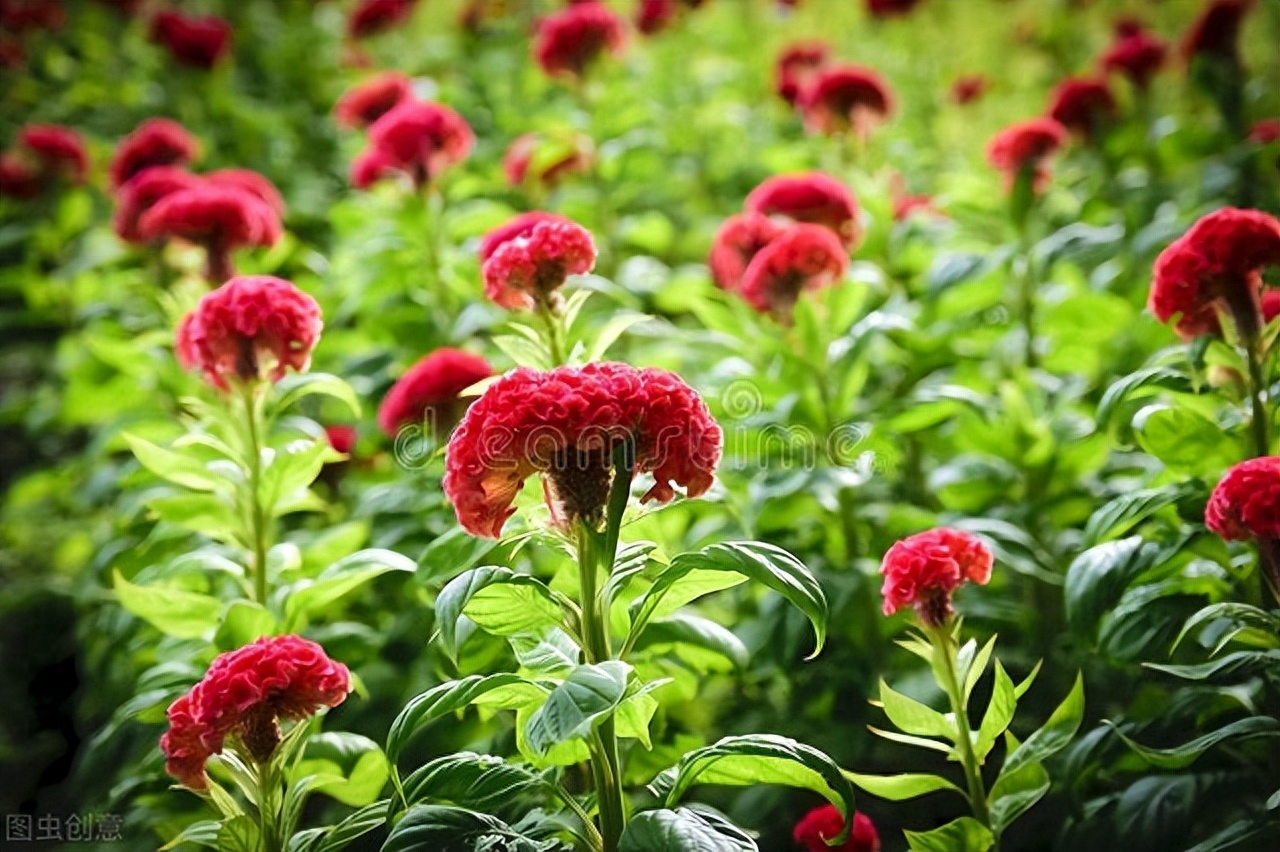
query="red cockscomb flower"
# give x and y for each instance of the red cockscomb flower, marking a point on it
(569, 40)
(370, 166)
(18, 179)
(890, 8)
(1215, 267)
(366, 102)
(59, 150)
(739, 239)
(1026, 145)
(1265, 131)
(565, 424)
(422, 139)
(526, 270)
(809, 197)
(802, 258)
(904, 204)
(429, 391)
(846, 97)
(251, 182)
(923, 570)
(1246, 503)
(252, 326)
(535, 158)
(969, 88)
(1216, 32)
(371, 17)
(244, 695)
(796, 67)
(141, 192)
(1270, 305)
(155, 142)
(1135, 53)
(18, 16)
(653, 16)
(198, 41)
(341, 437)
(824, 823)
(1082, 106)
(517, 226)
(218, 218)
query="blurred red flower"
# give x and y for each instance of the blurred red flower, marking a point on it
(1083, 106)
(565, 425)
(253, 326)
(1026, 145)
(846, 97)
(653, 16)
(802, 258)
(422, 139)
(1270, 305)
(251, 182)
(739, 239)
(890, 8)
(141, 192)
(58, 150)
(1216, 32)
(969, 88)
(219, 218)
(536, 158)
(341, 437)
(366, 102)
(155, 142)
(809, 197)
(370, 166)
(245, 694)
(923, 570)
(1265, 131)
(1134, 52)
(18, 16)
(526, 270)
(824, 823)
(18, 178)
(429, 391)
(1246, 503)
(904, 205)
(371, 17)
(199, 41)
(569, 40)
(796, 67)
(1215, 267)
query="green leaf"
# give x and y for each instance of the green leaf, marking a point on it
(175, 467)
(573, 707)
(239, 834)
(242, 623)
(1097, 578)
(1128, 510)
(467, 779)
(683, 830)
(999, 713)
(1237, 662)
(1187, 442)
(441, 701)
(965, 834)
(202, 833)
(207, 514)
(499, 600)
(1184, 755)
(973, 671)
(352, 827)
(1263, 627)
(437, 828)
(308, 597)
(1022, 688)
(908, 739)
(1056, 733)
(359, 764)
(683, 632)
(1146, 381)
(1014, 793)
(296, 386)
(451, 553)
(898, 788)
(609, 333)
(912, 717)
(292, 468)
(174, 612)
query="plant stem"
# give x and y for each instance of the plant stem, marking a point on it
(257, 517)
(269, 826)
(1027, 297)
(1261, 444)
(555, 333)
(945, 645)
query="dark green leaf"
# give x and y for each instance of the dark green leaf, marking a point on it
(1056, 733)
(683, 830)
(499, 600)
(1184, 755)
(965, 834)
(573, 707)
(441, 701)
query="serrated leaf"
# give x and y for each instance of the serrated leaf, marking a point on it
(574, 707)
(499, 600)
(898, 788)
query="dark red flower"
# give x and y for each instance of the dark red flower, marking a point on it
(1216, 267)
(58, 150)
(796, 67)
(1270, 305)
(526, 270)
(653, 16)
(544, 160)
(1026, 145)
(923, 570)
(969, 88)
(371, 17)
(890, 8)
(1085, 107)
(565, 425)
(569, 40)
(341, 437)
(252, 327)
(1246, 503)
(809, 197)
(18, 16)
(429, 391)
(739, 239)
(365, 103)
(244, 695)
(1216, 32)
(218, 218)
(1265, 131)
(198, 41)
(1135, 53)
(904, 205)
(801, 258)
(824, 823)
(141, 192)
(251, 182)
(517, 226)
(18, 178)
(846, 97)
(155, 142)
(422, 139)
(11, 53)
(370, 166)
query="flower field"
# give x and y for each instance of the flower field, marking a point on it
(640, 425)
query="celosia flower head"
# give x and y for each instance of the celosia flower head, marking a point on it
(570, 40)
(1215, 268)
(796, 67)
(430, 391)
(58, 150)
(1215, 34)
(18, 178)
(1085, 107)
(252, 327)
(251, 182)
(198, 41)
(140, 194)
(1246, 503)
(422, 139)
(371, 17)
(824, 823)
(1135, 53)
(802, 258)
(739, 239)
(218, 217)
(846, 97)
(533, 158)
(969, 88)
(923, 570)
(526, 270)
(243, 696)
(341, 437)
(565, 424)
(1026, 145)
(517, 226)
(370, 166)
(653, 16)
(366, 102)
(155, 142)
(809, 197)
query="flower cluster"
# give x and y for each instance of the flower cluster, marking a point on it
(45, 154)
(155, 142)
(824, 823)
(1246, 503)
(244, 695)
(541, 160)
(421, 139)
(811, 197)
(653, 16)
(890, 8)
(1083, 106)
(1026, 146)
(1134, 53)
(430, 389)
(846, 98)
(198, 41)
(369, 101)
(570, 40)
(923, 570)
(532, 262)
(371, 17)
(565, 424)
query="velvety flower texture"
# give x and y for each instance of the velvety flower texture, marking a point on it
(923, 570)
(243, 695)
(1215, 267)
(1085, 107)
(428, 391)
(371, 17)
(824, 822)
(802, 258)
(846, 97)
(155, 142)
(1026, 145)
(58, 150)
(198, 41)
(1246, 503)
(1135, 53)
(422, 139)
(252, 327)
(739, 239)
(216, 216)
(565, 425)
(526, 270)
(796, 67)
(1215, 34)
(969, 88)
(809, 197)
(366, 102)
(569, 40)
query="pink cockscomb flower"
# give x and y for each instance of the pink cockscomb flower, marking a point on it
(141, 192)
(1134, 53)
(58, 150)
(923, 570)
(824, 823)
(219, 218)
(1246, 503)
(525, 271)
(371, 17)
(801, 258)
(370, 166)
(1215, 34)
(155, 142)
(198, 41)
(252, 327)
(1215, 267)
(251, 182)
(809, 197)
(517, 226)
(890, 8)
(846, 97)
(366, 102)
(1026, 145)
(739, 239)
(243, 697)
(1083, 106)
(570, 40)
(565, 424)
(18, 178)
(796, 67)
(429, 392)
(422, 139)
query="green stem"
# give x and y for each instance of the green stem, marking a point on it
(945, 645)
(258, 533)
(268, 808)
(555, 333)
(1261, 444)
(1027, 298)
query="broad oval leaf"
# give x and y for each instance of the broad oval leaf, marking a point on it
(471, 780)
(342, 577)
(499, 600)
(683, 830)
(1097, 578)
(572, 709)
